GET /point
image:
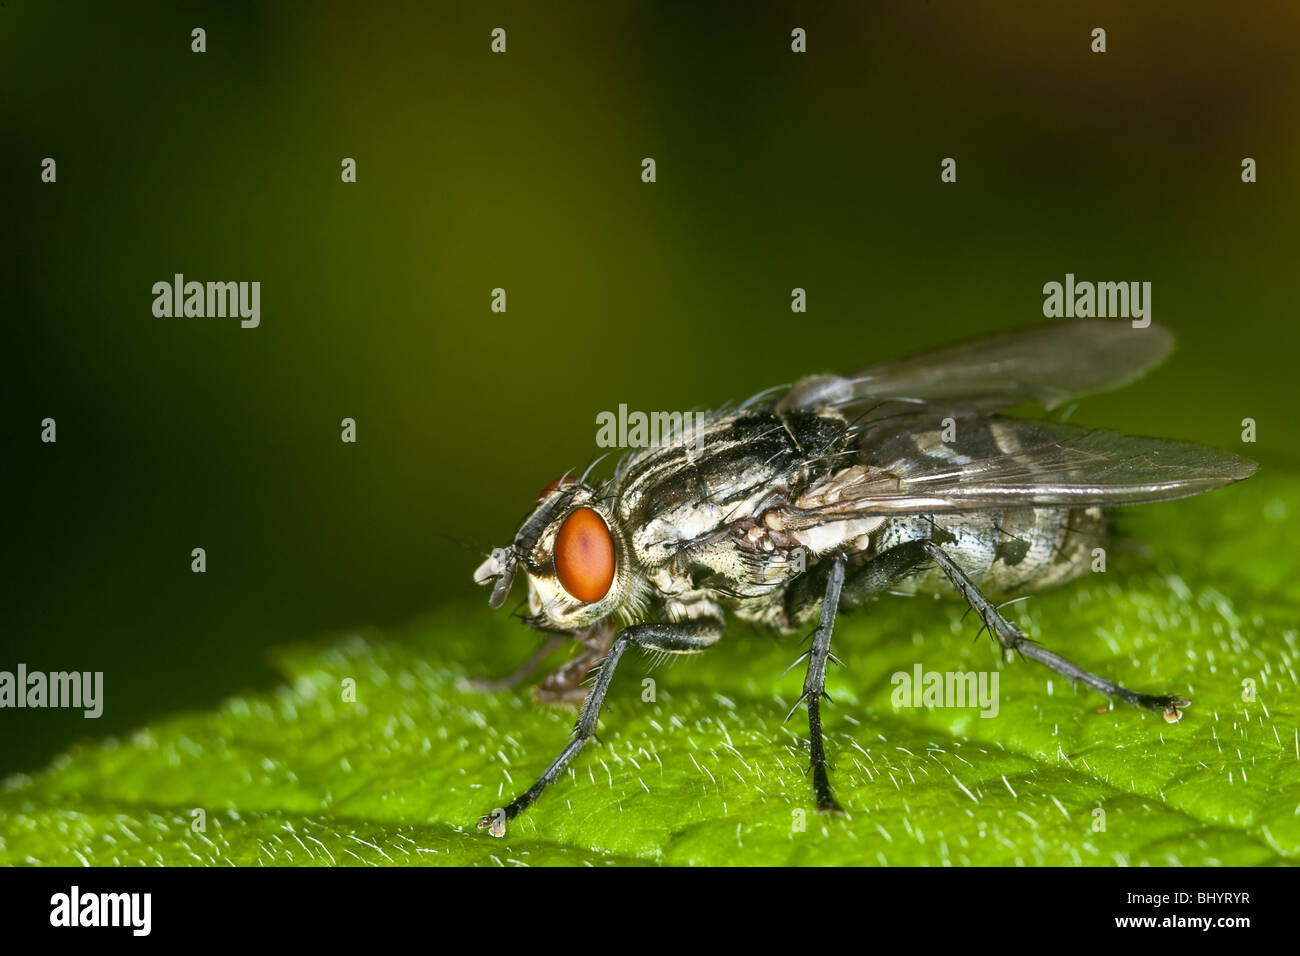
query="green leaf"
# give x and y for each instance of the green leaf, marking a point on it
(708, 774)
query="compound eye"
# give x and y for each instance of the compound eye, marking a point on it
(584, 556)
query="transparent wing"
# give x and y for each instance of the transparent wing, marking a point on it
(1049, 365)
(902, 465)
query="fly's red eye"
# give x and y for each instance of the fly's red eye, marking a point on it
(562, 480)
(584, 556)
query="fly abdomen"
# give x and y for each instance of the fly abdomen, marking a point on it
(1005, 551)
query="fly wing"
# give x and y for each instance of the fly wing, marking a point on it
(1049, 365)
(903, 466)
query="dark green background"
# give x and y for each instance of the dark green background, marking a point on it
(775, 170)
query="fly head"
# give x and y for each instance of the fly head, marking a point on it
(574, 555)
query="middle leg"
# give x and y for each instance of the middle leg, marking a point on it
(878, 574)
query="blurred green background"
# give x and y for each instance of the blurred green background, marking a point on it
(522, 171)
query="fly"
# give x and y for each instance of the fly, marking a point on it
(903, 477)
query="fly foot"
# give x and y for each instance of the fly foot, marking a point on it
(494, 823)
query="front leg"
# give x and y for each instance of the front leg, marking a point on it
(564, 686)
(491, 685)
(688, 637)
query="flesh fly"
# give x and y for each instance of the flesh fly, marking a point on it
(802, 503)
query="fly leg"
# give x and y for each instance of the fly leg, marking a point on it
(491, 685)
(1012, 638)
(814, 686)
(878, 574)
(564, 685)
(687, 637)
